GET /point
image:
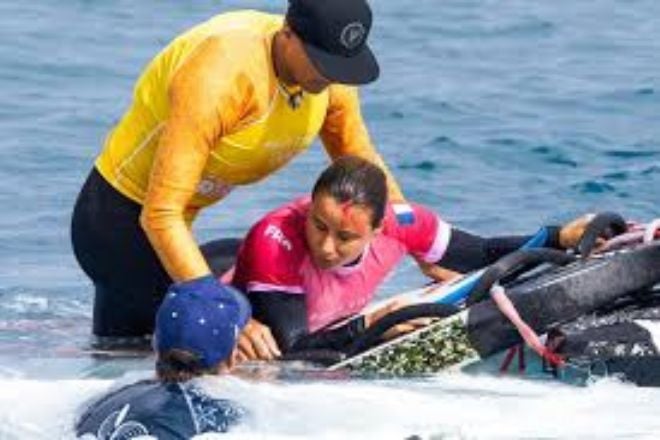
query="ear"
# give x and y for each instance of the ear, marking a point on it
(286, 31)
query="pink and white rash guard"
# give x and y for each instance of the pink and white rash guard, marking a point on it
(275, 257)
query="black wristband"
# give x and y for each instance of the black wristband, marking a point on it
(357, 326)
(553, 237)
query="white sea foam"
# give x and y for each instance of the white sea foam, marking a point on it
(449, 406)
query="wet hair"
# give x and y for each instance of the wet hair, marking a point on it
(179, 366)
(358, 181)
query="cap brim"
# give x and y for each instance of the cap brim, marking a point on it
(362, 68)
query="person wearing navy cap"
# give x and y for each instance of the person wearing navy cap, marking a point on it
(196, 334)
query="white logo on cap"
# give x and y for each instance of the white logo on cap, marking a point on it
(352, 35)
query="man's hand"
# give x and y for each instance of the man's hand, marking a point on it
(256, 342)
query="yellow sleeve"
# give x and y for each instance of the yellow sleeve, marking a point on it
(207, 97)
(344, 132)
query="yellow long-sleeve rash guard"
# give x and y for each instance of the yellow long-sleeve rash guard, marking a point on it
(208, 114)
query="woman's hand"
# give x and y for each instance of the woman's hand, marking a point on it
(435, 272)
(399, 329)
(256, 342)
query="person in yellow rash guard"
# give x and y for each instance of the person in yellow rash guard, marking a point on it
(226, 103)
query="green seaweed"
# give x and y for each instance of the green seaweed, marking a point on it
(440, 346)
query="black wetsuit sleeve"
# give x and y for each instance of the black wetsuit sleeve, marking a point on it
(286, 316)
(467, 252)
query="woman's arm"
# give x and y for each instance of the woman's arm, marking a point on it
(466, 251)
(286, 317)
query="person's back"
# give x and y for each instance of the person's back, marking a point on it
(196, 334)
(159, 409)
(243, 37)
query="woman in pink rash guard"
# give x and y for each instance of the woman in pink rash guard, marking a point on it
(317, 261)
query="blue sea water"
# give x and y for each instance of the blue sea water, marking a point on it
(502, 116)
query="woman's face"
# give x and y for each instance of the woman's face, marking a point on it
(337, 233)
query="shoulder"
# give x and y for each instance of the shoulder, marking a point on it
(239, 31)
(407, 216)
(235, 59)
(210, 413)
(236, 53)
(273, 251)
(343, 96)
(281, 232)
(133, 407)
(418, 228)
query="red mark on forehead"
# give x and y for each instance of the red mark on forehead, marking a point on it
(344, 206)
(353, 218)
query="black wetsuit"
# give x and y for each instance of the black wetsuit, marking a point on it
(151, 408)
(114, 251)
(286, 314)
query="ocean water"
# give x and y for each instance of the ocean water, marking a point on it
(502, 116)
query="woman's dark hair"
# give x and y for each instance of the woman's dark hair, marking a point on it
(179, 366)
(356, 180)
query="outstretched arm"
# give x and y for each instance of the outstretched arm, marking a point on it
(466, 251)
(443, 251)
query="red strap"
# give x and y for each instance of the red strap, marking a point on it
(528, 334)
(507, 359)
(554, 359)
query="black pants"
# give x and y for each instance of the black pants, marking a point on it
(114, 252)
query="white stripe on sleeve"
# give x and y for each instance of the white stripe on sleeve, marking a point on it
(440, 243)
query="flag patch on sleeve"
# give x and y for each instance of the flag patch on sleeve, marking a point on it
(404, 213)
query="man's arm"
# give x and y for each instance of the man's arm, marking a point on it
(344, 132)
(203, 106)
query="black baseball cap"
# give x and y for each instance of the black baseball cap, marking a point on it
(334, 34)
